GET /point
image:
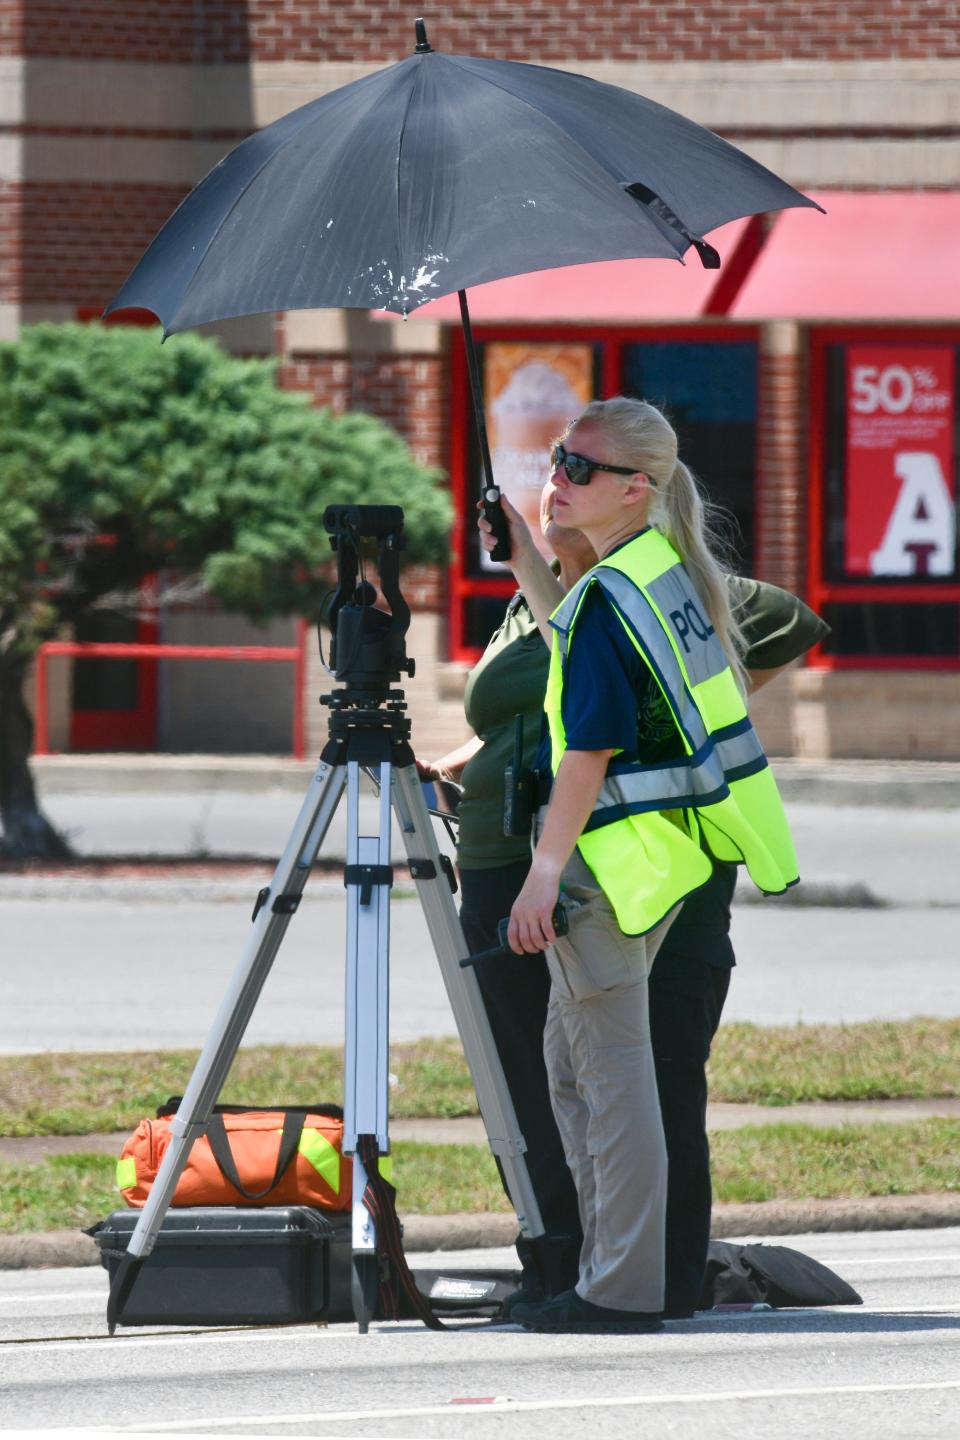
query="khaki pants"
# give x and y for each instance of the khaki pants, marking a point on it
(604, 1094)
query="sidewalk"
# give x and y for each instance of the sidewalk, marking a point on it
(927, 783)
(468, 1129)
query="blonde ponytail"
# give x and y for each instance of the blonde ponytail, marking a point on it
(690, 523)
(644, 437)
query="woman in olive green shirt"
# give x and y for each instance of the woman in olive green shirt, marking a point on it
(690, 977)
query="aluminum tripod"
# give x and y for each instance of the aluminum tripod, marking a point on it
(375, 739)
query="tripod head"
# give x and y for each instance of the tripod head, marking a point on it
(367, 650)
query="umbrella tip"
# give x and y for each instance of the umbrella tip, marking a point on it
(423, 45)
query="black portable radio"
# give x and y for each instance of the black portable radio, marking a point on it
(519, 789)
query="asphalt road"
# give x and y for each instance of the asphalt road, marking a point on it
(889, 1370)
(107, 974)
(119, 965)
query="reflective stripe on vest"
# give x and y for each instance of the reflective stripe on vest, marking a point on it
(702, 778)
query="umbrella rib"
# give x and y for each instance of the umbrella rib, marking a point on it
(403, 130)
(575, 144)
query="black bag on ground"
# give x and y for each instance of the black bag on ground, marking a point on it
(770, 1274)
(464, 1293)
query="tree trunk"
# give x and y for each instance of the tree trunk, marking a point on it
(26, 831)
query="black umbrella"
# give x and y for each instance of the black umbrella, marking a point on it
(438, 173)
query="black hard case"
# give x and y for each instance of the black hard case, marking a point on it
(230, 1266)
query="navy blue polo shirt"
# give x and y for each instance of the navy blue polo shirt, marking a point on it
(606, 683)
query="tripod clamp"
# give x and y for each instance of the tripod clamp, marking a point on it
(282, 904)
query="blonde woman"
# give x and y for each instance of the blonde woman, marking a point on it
(630, 829)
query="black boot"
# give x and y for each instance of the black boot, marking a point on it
(551, 1265)
(568, 1314)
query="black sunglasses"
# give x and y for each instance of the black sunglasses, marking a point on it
(579, 468)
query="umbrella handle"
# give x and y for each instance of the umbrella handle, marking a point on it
(492, 509)
(495, 518)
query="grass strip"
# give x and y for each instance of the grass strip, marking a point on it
(80, 1094)
(875, 1060)
(842, 1162)
(779, 1162)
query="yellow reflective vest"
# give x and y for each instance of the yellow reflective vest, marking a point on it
(722, 791)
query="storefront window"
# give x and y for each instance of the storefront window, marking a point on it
(893, 630)
(482, 614)
(891, 465)
(709, 391)
(532, 389)
(534, 383)
(885, 566)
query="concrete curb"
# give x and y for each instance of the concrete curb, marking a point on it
(150, 881)
(56, 1249)
(70, 1248)
(807, 1217)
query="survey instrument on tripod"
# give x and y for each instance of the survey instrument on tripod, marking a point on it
(368, 730)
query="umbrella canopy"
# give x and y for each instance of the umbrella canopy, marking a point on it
(439, 173)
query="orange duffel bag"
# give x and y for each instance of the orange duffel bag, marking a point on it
(290, 1155)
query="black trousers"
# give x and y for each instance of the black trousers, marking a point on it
(515, 991)
(687, 993)
(681, 1028)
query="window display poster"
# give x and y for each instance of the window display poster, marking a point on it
(900, 465)
(531, 393)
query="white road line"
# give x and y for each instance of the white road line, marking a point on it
(40, 1296)
(710, 1397)
(139, 1342)
(345, 1330)
(854, 1260)
(852, 1310)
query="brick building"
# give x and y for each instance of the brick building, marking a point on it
(787, 373)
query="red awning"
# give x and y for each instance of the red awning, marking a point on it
(613, 292)
(889, 256)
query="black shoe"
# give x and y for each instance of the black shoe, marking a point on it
(553, 1259)
(569, 1314)
(516, 1297)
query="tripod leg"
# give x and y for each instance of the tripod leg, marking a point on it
(271, 919)
(364, 1289)
(443, 922)
(365, 1094)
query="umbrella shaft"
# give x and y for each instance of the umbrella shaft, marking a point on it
(473, 370)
